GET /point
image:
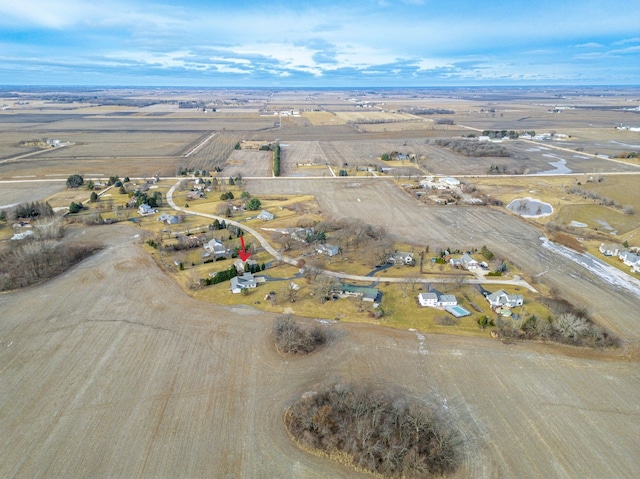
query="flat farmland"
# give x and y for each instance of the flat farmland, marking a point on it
(368, 152)
(380, 202)
(405, 125)
(369, 115)
(160, 385)
(248, 163)
(323, 118)
(212, 149)
(561, 157)
(156, 123)
(43, 168)
(121, 144)
(12, 194)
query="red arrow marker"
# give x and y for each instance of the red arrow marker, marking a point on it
(244, 255)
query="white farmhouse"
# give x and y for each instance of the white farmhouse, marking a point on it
(145, 210)
(434, 299)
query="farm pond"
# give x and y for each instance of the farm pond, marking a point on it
(530, 207)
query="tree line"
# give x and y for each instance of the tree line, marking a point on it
(276, 159)
(472, 147)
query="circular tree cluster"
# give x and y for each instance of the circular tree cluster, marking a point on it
(291, 338)
(377, 431)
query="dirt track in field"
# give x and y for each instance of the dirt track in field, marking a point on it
(111, 370)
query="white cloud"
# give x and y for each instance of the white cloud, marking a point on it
(589, 45)
(628, 40)
(45, 13)
(426, 64)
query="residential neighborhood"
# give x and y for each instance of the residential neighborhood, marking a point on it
(625, 255)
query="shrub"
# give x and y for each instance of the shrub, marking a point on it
(74, 181)
(253, 204)
(75, 207)
(291, 338)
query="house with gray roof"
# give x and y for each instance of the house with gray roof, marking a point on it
(145, 210)
(610, 249)
(435, 299)
(246, 281)
(265, 216)
(328, 249)
(215, 247)
(169, 219)
(468, 262)
(400, 257)
(502, 299)
(629, 258)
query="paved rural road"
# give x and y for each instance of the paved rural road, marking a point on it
(517, 281)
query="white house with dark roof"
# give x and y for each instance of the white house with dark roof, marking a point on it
(501, 299)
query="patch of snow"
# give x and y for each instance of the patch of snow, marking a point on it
(604, 271)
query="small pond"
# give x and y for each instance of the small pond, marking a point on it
(530, 207)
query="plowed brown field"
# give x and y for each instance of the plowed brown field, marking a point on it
(110, 370)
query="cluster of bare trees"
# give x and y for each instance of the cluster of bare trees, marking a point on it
(41, 256)
(383, 433)
(568, 325)
(473, 147)
(354, 233)
(291, 338)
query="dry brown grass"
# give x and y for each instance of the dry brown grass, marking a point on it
(567, 240)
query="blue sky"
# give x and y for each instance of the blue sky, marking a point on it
(320, 43)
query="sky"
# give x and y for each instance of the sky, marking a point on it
(354, 43)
